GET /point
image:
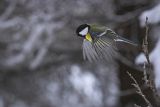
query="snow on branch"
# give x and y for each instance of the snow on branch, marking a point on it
(152, 14)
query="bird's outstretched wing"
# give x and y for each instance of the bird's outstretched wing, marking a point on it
(101, 49)
(121, 43)
(105, 48)
(89, 51)
(105, 45)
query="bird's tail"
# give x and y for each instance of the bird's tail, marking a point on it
(121, 39)
(123, 43)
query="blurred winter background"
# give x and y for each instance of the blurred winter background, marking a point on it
(41, 63)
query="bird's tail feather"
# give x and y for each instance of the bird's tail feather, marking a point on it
(123, 43)
(121, 39)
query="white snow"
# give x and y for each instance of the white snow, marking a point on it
(1, 102)
(152, 14)
(86, 83)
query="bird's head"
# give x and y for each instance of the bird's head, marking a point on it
(83, 31)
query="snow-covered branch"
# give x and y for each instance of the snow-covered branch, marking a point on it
(154, 18)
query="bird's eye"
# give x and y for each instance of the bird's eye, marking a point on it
(84, 31)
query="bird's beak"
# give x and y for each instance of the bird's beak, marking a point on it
(88, 37)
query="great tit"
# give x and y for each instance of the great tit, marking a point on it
(100, 42)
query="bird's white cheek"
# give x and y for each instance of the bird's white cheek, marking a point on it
(84, 31)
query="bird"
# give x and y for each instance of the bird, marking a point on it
(100, 42)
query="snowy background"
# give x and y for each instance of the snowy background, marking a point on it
(41, 63)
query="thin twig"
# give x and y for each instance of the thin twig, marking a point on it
(139, 91)
(151, 82)
(145, 43)
(145, 78)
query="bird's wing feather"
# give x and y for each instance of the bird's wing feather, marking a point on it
(105, 48)
(119, 40)
(104, 44)
(101, 48)
(88, 51)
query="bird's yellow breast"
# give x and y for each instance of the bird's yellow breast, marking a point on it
(88, 37)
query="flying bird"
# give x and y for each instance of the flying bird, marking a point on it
(100, 42)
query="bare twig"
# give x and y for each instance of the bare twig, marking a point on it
(145, 50)
(150, 80)
(145, 78)
(145, 43)
(139, 91)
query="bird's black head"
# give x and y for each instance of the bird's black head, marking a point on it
(82, 30)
